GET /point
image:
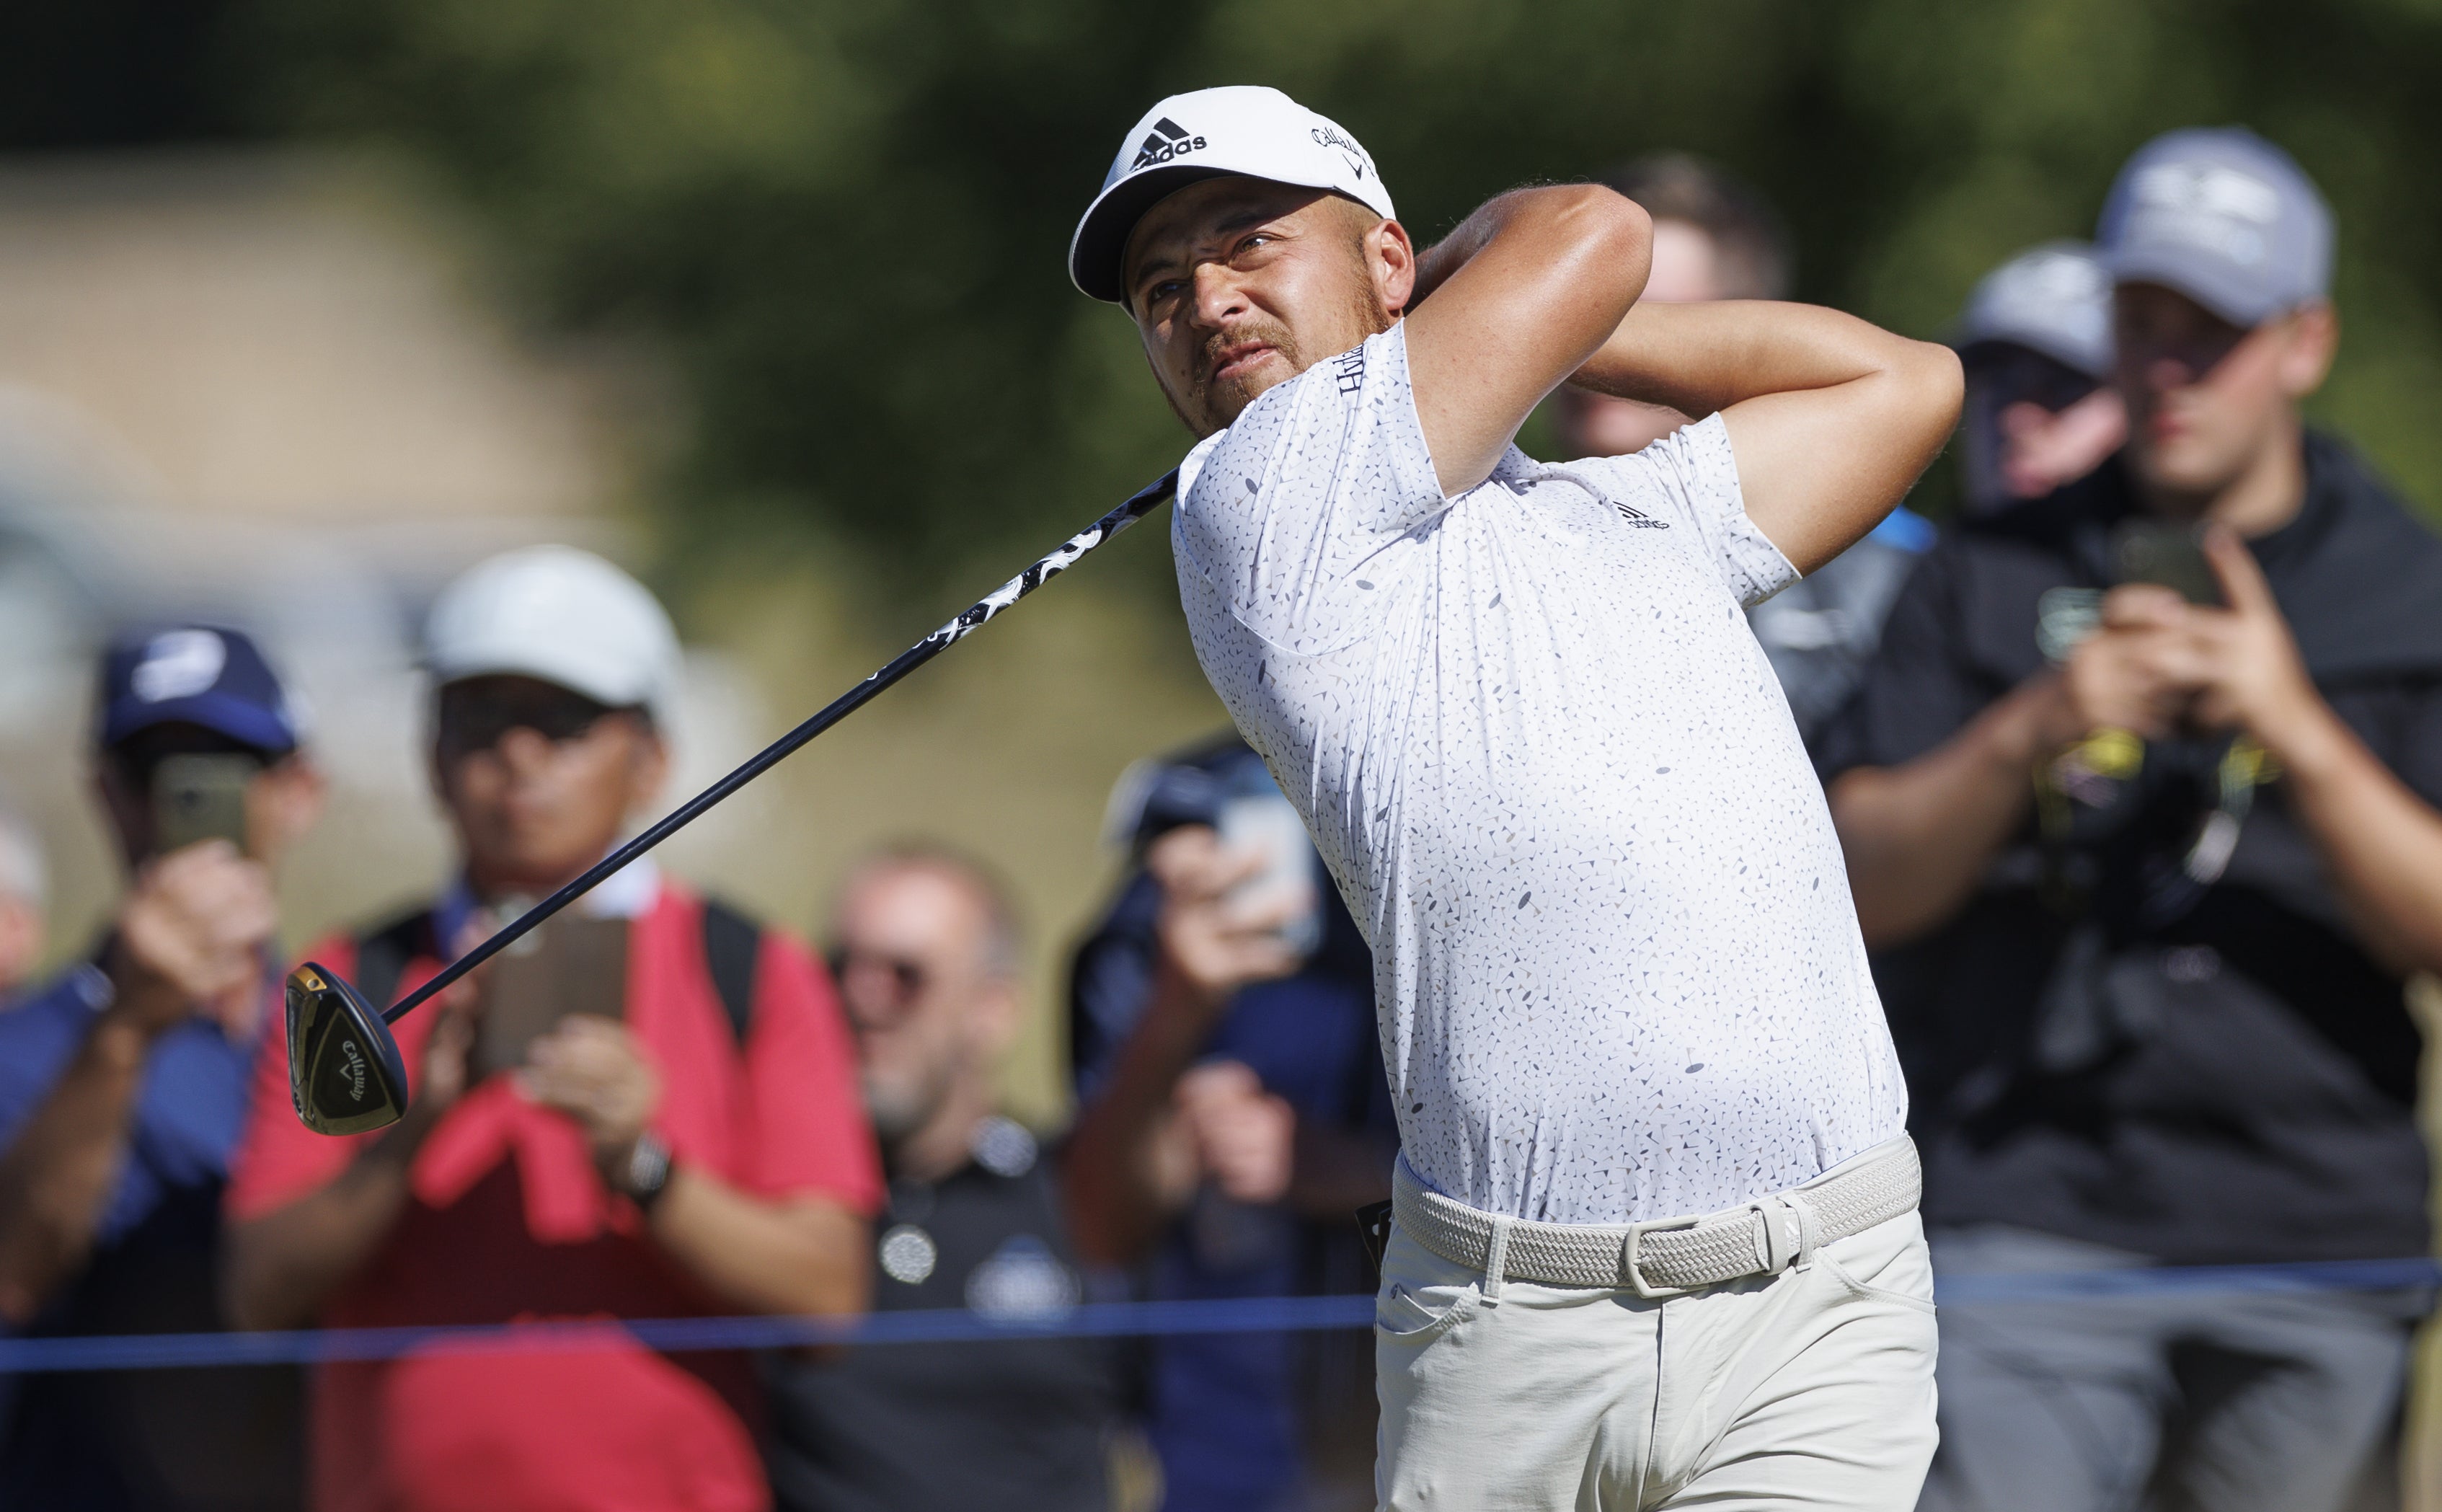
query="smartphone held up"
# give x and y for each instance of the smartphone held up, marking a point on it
(201, 796)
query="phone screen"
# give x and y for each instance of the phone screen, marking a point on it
(572, 964)
(2171, 556)
(199, 797)
(1269, 826)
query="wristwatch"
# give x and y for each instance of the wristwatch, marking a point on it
(648, 1171)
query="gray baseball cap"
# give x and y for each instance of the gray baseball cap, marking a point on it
(2224, 217)
(2055, 299)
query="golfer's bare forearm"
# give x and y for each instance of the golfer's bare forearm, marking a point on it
(1831, 419)
(804, 1257)
(1124, 1176)
(1919, 836)
(2381, 842)
(57, 1177)
(281, 1269)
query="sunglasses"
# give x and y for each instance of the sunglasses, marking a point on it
(2008, 376)
(909, 979)
(476, 716)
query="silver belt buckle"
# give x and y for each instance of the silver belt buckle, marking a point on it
(1628, 1258)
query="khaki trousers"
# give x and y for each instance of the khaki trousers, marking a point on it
(1813, 1389)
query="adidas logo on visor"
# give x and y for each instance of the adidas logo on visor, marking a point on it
(1168, 139)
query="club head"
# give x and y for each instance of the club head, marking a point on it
(344, 1071)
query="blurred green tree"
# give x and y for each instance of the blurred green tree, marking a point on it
(845, 223)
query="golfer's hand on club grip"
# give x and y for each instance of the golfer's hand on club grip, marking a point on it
(593, 1070)
(1212, 942)
(190, 938)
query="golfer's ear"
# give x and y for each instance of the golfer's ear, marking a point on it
(1392, 259)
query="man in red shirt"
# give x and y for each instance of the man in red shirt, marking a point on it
(698, 1148)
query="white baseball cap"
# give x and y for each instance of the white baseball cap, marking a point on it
(562, 615)
(1241, 129)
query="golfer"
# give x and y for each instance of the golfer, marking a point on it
(1656, 1239)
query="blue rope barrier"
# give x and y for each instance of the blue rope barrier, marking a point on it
(309, 1346)
(2303, 1276)
(1231, 1315)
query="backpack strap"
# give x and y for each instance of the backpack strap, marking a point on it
(383, 952)
(731, 943)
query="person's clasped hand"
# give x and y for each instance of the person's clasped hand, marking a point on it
(1245, 1137)
(446, 1063)
(1215, 941)
(2159, 665)
(190, 938)
(592, 1069)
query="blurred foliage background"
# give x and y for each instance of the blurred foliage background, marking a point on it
(841, 225)
(828, 239)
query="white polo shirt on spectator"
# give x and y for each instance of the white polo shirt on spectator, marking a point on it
(1617, 970)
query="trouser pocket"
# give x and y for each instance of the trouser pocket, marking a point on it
(1887, 1262)
(1422, 1296)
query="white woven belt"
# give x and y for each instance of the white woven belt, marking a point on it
(1667, 1257)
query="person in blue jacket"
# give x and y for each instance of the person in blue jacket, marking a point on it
(1233, 1115)
(123, 1085)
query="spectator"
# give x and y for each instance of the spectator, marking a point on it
(1233, 1116)
(25, 901)
(2035, 340)
(925, 948)
(122, 1089)
(2151, 1004)
(687, 1141)
(1714, 238)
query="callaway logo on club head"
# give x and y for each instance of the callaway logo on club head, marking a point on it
(1168, 139)
(356, 1070)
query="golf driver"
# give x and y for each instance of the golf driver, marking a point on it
(345, 1073)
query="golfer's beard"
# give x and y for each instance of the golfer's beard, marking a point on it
(1212, 406)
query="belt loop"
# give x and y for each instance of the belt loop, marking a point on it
(1809, 1228)
(1783, 1232)
(1496, 1261)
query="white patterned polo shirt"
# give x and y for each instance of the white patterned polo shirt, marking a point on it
(1616, 968)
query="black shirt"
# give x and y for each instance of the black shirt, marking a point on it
(1020, 1423)
(2094, 1048)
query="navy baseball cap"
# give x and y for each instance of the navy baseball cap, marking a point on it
(2055, 299)
(194, 674)
(2224, 217)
